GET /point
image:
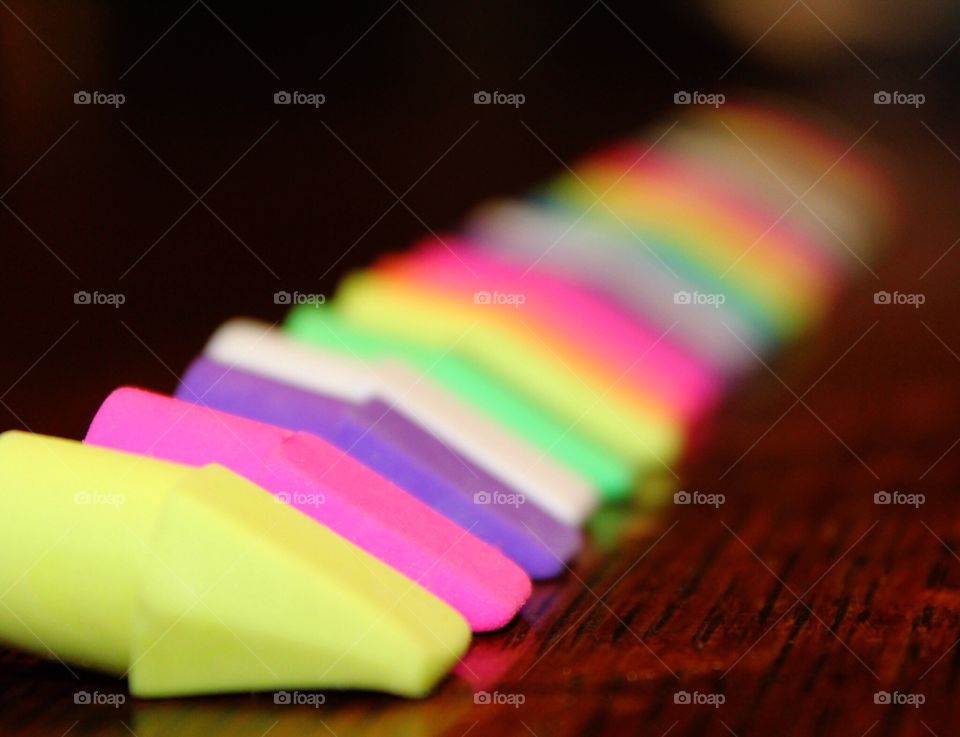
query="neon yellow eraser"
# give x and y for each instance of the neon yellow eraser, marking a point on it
(639, 434)
(194, 581)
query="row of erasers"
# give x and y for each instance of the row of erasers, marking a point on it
(340, 502)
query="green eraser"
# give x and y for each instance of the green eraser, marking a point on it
(609, 474)
(642, 439)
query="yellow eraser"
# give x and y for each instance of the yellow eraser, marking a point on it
(643, 437)
(196, 581)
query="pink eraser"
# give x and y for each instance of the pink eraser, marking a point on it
(635, 353)
(325, 483)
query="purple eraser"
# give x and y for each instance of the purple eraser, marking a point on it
(399, 449)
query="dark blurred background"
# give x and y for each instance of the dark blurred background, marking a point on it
(99, 198)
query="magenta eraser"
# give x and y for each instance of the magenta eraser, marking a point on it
(325, 483)
(634, 351)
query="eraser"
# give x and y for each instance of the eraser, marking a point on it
(567, 496)
(836, 220)
(582, 329)
(802, 148)
(549, 543)
(256, 346)
(776, 242)
(639, 434)
(772, 245)
(194, 581)
(319, 325)
(401, 451)
(668, 226)
(331, 487)
(554, 239)
(499, 450)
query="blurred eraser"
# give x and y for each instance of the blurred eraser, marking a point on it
(256, 346)
(592, 332)
(321, 326)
